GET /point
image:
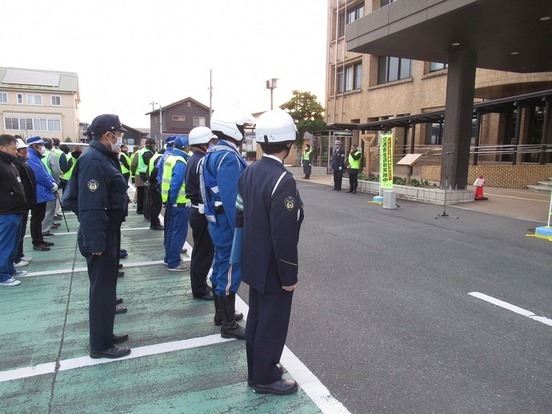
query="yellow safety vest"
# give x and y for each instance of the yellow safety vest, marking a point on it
(168, 167)
(124, 169)
(69, 173)
(142, 166)
(152, 162)
(354, 164)
(306, 155)
(44, 160)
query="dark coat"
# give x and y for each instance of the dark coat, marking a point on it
(28, 180)
(12, 195)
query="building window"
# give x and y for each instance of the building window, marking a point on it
(56, 100)
(353, 13)
(11, 124)
(179, 118)
(39, 124)
(386, 2)
(54, 125)
(434, 66)
(199, 121)
(20, 98)
(34, 99)
(3, 98)
(393, 68)
(352, 79)
(434, 134)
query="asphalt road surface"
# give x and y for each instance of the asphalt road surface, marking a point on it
(385, 319)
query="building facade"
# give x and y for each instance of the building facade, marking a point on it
(366, 89)
(39, 102)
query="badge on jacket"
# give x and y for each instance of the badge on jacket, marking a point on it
(289, 202)
(93, 185)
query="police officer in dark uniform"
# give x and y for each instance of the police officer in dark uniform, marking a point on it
(338, 162)
(271, 212)
(204, 251)
(97, 193)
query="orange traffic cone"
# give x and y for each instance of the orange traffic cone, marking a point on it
(479, 183)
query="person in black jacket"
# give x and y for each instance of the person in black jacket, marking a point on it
(271, 212)
(337, 164)
(97, 193)
(29, 184)
(12, 205)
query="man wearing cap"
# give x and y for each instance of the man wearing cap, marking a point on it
(12, 205)
(173, 190)
(338, 162)
(97, 193)
(144, 157)
(28, 180)
(46, 187)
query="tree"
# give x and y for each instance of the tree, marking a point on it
(307, 112)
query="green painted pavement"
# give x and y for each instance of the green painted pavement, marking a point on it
(46, 322)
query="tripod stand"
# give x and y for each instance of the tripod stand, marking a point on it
(444, 213)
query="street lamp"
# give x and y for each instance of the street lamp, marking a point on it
(160, 137)
(272, 84)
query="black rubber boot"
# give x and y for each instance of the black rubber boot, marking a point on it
(238, 316)
(229, 327)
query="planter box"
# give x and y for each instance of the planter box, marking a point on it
(423, 194)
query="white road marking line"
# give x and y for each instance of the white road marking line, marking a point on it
(312, 386)
(510, 307)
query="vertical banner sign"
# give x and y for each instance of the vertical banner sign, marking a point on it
(386, 162)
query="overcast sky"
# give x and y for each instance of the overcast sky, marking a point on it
(129, 53)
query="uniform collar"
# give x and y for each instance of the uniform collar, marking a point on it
(274, 158)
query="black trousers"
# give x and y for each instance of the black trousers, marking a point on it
(140, 200)
(103, 272)
(202, 254)
(37, 215)
(265, 334)
(353, 180)
(24, 219)
(154, 205)
(338, 177)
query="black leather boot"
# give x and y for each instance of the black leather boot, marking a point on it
(238, 316)
(229, 327)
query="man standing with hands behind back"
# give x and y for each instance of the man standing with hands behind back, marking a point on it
(271, 212)
(338, 162)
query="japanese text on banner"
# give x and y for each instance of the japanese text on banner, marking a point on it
(386, 162)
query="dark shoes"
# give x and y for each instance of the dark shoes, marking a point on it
(158, 227)
(41, 247)
(120, 274)
(48, 234)
(49, 244)
(117, 339)
(113, 352)
(119, 301)
(120, 309)
(280, 387)
(278, 365)
(207, 296)
(238, 316)
(350, 191)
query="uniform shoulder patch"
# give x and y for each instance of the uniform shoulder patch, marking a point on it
(93, 185)
(289, 202)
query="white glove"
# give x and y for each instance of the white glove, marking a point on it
(54, 188)
(340, 168)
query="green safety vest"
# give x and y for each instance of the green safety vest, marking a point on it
(306, 155)
(354, 164)
(152, 162)
(124, 169)
(168, 167)
(142, 166)
(44, 160)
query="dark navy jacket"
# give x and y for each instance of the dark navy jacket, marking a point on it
(193, 192)
(272, 216)
(12, 195)
(97, 193)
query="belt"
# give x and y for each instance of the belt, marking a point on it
(188, 204)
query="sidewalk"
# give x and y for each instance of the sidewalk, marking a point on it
(179, 362)
(509, 202)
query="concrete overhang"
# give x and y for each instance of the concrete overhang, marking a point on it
(508, 35)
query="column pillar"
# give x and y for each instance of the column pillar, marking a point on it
(458, 118)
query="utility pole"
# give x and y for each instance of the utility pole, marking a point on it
(272, 84)
(210, 95)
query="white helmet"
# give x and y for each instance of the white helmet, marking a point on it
(275, 126)
(200, 135)
(230, 123)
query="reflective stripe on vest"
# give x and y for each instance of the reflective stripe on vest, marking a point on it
(168, 167)
(142, 166)
(354, 164)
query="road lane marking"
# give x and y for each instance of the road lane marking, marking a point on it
(512, 308)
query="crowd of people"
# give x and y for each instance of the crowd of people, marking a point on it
(245, 222)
